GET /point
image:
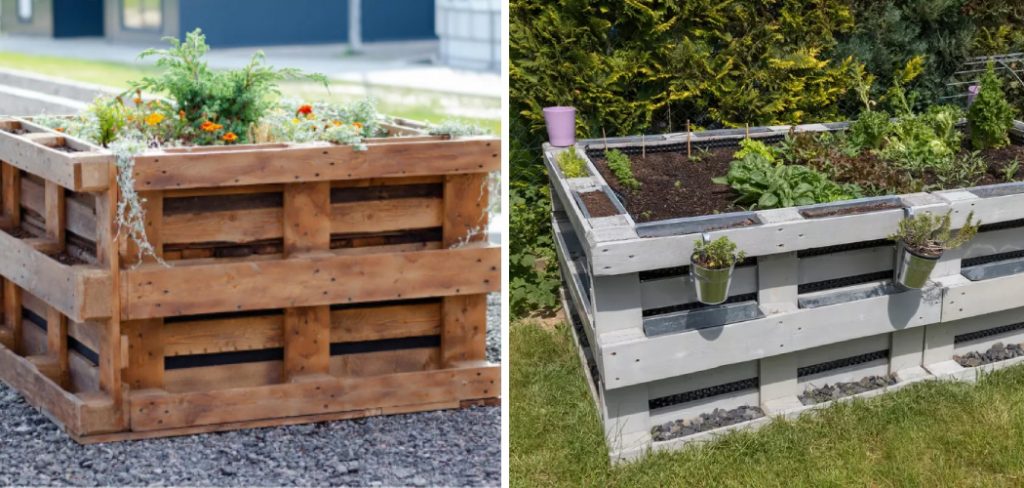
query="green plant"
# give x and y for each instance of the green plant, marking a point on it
(717, 254)
(110, 117)
(930, 235)
(622, 167)
(753, 146)
(869, 130)
(1010, 170)
(234, 100)
(763, 184)
(920, 141)
(990, 116)
(962, 170)
(572, 164)
(457, 128)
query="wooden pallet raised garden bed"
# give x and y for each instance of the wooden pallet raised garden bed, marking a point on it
(813, 304)
(303, 282)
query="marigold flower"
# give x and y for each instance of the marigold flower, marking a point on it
(181, 115)
(337, 123)
(230, 137)
(305, 109)
(357, 125)
(210, 126)
(154, 118)
(59, 129)
(137, 100)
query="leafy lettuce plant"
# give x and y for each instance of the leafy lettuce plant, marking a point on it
(763, 184)
(753, 146)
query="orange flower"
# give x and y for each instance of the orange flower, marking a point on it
(181, 115)
(337, 123)
(137, 100)
(154, 118)
(210, 126)
(357, 125)
(305, 109)
(230, 137)
(59, 129)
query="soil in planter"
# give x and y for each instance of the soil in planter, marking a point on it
(859, 209)
(843, 389)
(598, 204)
(998, 352)
(705, 422)
(672, 185)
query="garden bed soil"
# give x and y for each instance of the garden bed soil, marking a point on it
(859, 209)
(598, 204)
(674, 185)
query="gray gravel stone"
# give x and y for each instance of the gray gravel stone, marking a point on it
(842, 389)
(998, 352)
(448, 448)
(706, 421)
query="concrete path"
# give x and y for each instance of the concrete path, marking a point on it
(407, 65)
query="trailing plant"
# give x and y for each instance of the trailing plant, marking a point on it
(929, 235)
(763, 184)
(622, 168)
(720, 253)
(990, 117)
(215, 103)
(572, 164)
(457, 128)
(131, 214)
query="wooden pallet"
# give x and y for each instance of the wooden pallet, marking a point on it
(816, 292)
(299, 283)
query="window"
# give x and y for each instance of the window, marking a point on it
(142, 14)
(25, 10)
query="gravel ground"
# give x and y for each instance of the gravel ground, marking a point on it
(842, 389)
(706, 421)
(449, 448)
(998, 352)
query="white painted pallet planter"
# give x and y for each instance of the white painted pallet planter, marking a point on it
(814, 303)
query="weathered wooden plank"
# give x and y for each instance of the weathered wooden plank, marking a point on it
(81, 218)
(79, 292)
(12, 312)
(385, 362)
(145, 353)
(152, 410)
(56, 212)
(10, 193)
(316, 162)
(464, 336)
(223, 335)
(307, 330)
(57, 344)
(313, 279)
(385, 322)
(39, 390)
(79, 172)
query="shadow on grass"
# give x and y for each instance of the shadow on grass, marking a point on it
(929, 434)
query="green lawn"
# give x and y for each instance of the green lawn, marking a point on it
(410, 104)
(930, 434)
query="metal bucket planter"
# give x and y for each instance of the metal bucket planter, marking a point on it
(913, 270)
(712, 284)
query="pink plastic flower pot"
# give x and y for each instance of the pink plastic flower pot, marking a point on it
(561, 122)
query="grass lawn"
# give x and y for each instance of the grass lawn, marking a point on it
(411, 104)
(931, 434)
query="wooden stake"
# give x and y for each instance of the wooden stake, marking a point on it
(689, 137)
(605, 137)
(643, 146)
(748, 131)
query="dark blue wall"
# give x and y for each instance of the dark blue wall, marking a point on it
(398, 20)
(76, 18)
(266, 22)
(258, 22)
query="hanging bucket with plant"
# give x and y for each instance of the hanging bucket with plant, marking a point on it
(711, 266)
(924, 238)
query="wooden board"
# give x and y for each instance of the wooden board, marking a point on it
(152, 290)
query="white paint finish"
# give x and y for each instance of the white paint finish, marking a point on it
(994, 242)
(692, 410)
(988, 210)
(906, 349)
(938, 343)
(688, 352)
(777, 277)
(842, 350)
(825, 267)
(617, 303)
(945, 369)
(778, 377)
(949, 264)
(678, 290)
(779, 406)
(779, 215)
(671, 251)
(627, 419)
(584, 356)
(612, 228)
(982, 297)
(704, 379)
(567, 202)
